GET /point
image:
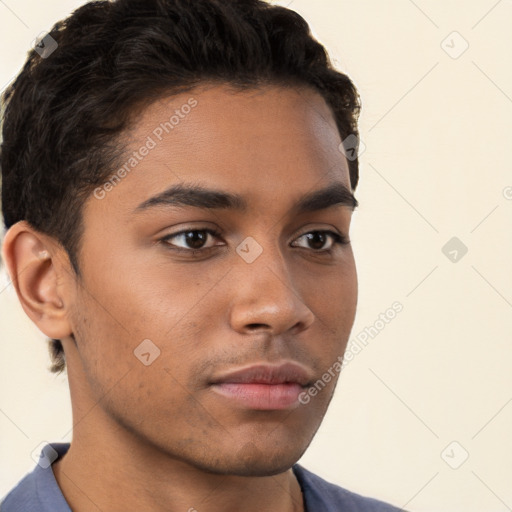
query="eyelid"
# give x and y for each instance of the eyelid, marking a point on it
(322, 228)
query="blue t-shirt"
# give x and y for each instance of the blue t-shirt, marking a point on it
(39, 491)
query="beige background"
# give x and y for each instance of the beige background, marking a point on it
(437, 165)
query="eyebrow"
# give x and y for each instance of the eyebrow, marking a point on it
(335, 194)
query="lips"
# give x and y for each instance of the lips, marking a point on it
(263, 386)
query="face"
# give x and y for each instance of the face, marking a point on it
(220, 246)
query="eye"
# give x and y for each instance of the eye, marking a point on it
(317, 240)
(192, 239)
(199, 240)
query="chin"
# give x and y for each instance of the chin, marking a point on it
(252, 461)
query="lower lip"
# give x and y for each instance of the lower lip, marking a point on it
(265, 397)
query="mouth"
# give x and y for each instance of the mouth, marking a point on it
(264, 386)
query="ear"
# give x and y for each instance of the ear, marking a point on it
(33, 262)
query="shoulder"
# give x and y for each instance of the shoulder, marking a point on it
(38, 491)
(23, 497)
(332, 498)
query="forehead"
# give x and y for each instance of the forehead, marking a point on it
(258, 141)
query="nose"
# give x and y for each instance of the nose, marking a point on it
(266, 298)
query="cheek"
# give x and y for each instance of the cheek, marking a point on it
(123, 316)
(103, 342)
(332, 293)
(128, 372)
(333, 299)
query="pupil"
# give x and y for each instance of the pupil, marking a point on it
(316, 240)
(195, 239)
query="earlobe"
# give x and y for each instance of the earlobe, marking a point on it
(31, 259)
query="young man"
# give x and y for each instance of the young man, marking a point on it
(178, 210)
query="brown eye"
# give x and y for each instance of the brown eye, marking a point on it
(195, 239)
(192, 239)
(317, 240)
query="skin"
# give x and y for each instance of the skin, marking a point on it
(158, 434)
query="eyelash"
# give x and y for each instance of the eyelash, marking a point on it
(337, 240)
